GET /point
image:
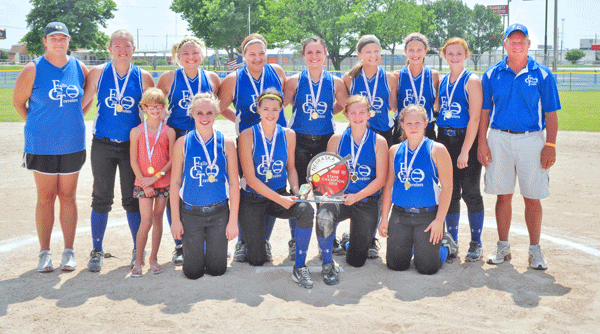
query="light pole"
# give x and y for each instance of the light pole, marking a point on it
(555, 35)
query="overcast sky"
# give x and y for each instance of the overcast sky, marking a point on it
(158, 27)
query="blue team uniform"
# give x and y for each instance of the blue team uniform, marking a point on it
(244, 98)
(180, 98)
(406, 96)
(382, 121)
(195, 188)
(366, 166)
(424, 190)
(460, 103)
(518, 101)
(112, 124)
(279, 162)
(54, 124)
(302, 120)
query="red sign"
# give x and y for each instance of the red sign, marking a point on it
(596, 47)
(499, 9)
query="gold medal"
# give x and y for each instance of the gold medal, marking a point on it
(406, 185)
(269, 175)
(150, 170)
(211, 178)
(354, 177)
(119, 108)
(372, 113)
(315, 115)
(448, 114)
(316, 178)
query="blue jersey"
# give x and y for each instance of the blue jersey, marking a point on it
(424, 188)
(518, 101)
(458, 117)
(381, 104)
(54, 123)
(366, 166)
(196, 188)
(110, 122)
(305, 119)
(406, 95)
(244, 98)
(277, 169)
(180, 98)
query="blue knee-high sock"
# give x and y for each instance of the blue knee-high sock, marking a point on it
(177, 242)
(98, 224)
(325, 245)
(302, 241)
(292, 227)
(444, 253)
(134, 219)
(476, 224)
(269, 224)
(452, 224)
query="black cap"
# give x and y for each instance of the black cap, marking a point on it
(56, 28)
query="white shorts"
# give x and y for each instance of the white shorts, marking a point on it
(517, 155)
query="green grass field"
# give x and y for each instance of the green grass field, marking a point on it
(580, 110)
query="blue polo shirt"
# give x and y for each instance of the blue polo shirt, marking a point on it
(518, 102)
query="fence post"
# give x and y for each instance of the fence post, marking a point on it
(570, 74)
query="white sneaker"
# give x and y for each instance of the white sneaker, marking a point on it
(68, 260)
(536, 258)
(500, 254)
(45, 263)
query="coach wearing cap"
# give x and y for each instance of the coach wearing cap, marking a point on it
(520, 101)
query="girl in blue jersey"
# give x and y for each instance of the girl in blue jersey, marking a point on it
(150, 151)
(369, 79)
(267, 157)
(204, 179)
(180, 86)
(119, 85)
(243, 87)
(461, 97)
(368, 171)
(316, 95)
(416, 82)
(419, 186)
(47, 96)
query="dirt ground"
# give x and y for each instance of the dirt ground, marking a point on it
(461, 297)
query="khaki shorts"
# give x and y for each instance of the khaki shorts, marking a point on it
(517, 156)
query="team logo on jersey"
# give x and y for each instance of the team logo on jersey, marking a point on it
(308, 107)
(63, 93)
(276, 167)
(185, 101)
(377, 103)
(531, 81)
(362, 171)
(201, 171)
(410, 99)
(254, 104)
(416, 176)
(127, 102)
(455, 109)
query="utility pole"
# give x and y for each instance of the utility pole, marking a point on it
(555, 35)
(138, 38)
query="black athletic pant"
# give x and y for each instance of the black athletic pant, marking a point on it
(307, 146)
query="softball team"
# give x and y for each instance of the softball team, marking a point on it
(119, 85)
(461, 97)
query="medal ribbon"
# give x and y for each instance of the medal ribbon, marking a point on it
(315, 100)
(370, 96)
(264, 140)
(449, 97)
(262, 81)
(120, 91)
(211, 164)
(412, 160)
(148, 150)
(355, 157)
(414, 88)
(187, 83)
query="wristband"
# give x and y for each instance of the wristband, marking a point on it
(158, 175)
(551, 145)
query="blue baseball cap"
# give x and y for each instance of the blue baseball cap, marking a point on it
(516, 27)
(56, 28)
